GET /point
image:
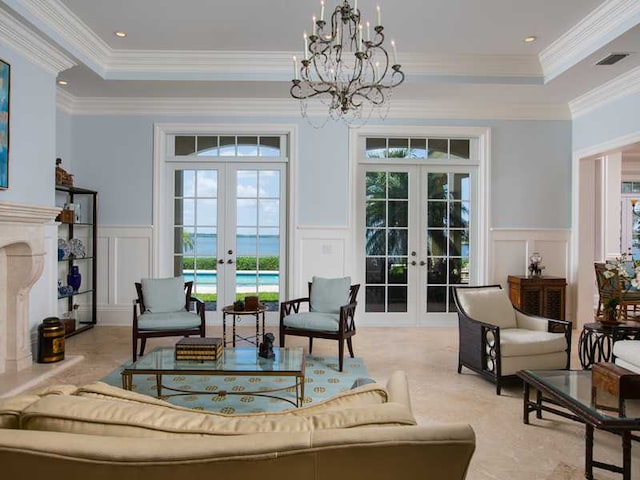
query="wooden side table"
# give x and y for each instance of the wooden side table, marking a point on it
(236, 317)
(543, 296)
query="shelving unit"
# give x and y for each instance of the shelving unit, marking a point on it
(86, 231)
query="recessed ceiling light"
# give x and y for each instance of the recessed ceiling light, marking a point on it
(120, 34)
(530, 39)
(63, 82)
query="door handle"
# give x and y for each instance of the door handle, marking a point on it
(413, 262)
(229, 261)
(422, 263)
(221, 261)
(230, 252)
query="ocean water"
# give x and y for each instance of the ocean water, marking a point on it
(246, 245)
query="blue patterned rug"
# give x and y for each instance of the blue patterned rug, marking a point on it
(322, 380)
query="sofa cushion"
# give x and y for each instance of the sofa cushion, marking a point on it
(489, 305)
(168, 321)
(370, 394)
(321, 322)
(329, 294)
(11, 408)
(95, 416)
(163, 295)
(515, 342)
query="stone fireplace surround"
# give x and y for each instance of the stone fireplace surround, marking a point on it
(22, 260)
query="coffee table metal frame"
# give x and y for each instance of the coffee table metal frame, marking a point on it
(237, 315)
(546, 393)
(216, 369)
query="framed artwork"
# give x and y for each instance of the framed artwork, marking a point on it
(5, 76)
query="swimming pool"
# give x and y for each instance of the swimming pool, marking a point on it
(242, 278)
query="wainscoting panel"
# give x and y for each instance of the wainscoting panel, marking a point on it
(319, 251)
(511, 249)
(124, 257)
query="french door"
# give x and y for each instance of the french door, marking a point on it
(417, 228)
(228, 230)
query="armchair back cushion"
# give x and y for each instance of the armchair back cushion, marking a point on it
(490, 305)
(163, 295)
(329, 294)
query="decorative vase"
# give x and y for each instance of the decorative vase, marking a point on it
(74, 278)
(609, 316)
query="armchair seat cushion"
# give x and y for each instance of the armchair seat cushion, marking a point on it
(321, 322)
(516, 342)
(168, 321)
(627, 353)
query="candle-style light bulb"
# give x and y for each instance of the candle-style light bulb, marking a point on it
(313, 25)
(359, 37)
(295, 68)
(368, 31)
(322, 10)
(306, 45)
(395, 53)
(379, 15)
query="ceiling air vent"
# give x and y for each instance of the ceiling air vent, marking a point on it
(612, 58)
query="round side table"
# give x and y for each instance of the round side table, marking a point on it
(236, 316)
(595, 344)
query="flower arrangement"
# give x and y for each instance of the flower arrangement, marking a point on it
(628, 273)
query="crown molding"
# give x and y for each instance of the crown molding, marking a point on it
(243, 65)
(53, 18)
(602, 25)
(626, 84)
(17, 36)
(287, 108)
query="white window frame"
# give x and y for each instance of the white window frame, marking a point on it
(162, 264)
(357, 137)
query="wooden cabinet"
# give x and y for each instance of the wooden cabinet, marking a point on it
(543, 296)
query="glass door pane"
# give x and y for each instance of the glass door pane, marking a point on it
(386, 241)
(448, 210)
(195, 239)
(258, 234)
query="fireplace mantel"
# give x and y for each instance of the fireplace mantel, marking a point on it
(22, 255)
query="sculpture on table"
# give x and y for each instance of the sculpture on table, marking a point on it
(266, 347)
(535, 265)
(62, 177)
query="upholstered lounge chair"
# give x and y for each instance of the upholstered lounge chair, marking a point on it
(165, 311)
(332, 306)
(497, 340)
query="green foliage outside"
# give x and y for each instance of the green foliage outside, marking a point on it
(264, 296)
(242, 263)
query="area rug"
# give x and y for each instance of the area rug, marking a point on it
(322, 380)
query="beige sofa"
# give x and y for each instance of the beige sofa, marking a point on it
(103, 432)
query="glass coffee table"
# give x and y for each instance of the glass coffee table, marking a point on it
(288, 362)
(571, 389)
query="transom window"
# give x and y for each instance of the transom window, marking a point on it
(227, 146)
(427, 148)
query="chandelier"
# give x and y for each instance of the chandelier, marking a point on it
(346, 66)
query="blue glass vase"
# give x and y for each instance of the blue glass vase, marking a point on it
(74, 278)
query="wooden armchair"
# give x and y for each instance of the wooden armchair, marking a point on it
(165, 311)
(497, 339)
(332, 306)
